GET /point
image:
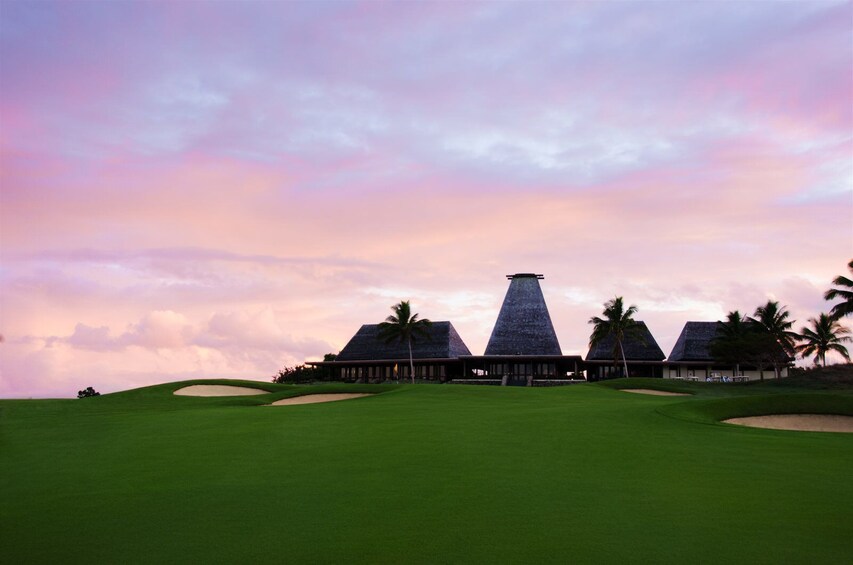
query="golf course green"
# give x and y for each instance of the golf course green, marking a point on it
(426, 474)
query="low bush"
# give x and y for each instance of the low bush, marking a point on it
(87, 392)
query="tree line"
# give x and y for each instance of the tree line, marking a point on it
(764, 340)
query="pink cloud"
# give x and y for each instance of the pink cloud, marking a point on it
(86, 337)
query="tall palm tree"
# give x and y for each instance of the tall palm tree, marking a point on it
(844, 308)
(730, 344)
(405, 327)
(774, 319)
(618, 322)
(735, 325)
(825, 335)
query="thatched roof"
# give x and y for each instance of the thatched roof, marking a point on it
(643, 347)
(442, 342)
(524, 326)
(693, 343)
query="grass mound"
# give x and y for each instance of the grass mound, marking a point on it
(717, 410)
(833, 377)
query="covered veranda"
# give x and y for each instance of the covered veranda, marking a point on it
(522, 370)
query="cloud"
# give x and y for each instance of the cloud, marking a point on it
(96, 339)
(227, 332)
(162, 329)
(261, 330)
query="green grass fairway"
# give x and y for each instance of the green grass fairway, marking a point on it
(426, 474)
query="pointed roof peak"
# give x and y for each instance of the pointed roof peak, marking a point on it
(524, 325)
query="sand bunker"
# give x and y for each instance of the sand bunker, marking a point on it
(217, 390)
(654, 392)
(314, 398)
(798, 422)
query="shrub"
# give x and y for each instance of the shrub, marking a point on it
(304, 373)
(89, 391)
(297, 374)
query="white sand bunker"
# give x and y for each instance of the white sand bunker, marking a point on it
(798, 422)
(315, 398)
(654, 392)
(218, 390)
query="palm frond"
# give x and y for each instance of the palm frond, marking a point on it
(845, 307)
(841, 350)
(774, 319)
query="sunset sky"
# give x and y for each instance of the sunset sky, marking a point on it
(220, 189)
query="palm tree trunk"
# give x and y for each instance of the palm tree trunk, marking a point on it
(411, 361)
(624, 361)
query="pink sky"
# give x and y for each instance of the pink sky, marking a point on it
(220, 189)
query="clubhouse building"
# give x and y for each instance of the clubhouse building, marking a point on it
(523, 350)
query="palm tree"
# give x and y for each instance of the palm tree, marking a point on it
(844, 308)
(774, 320)
(618, 323)
(735, 325)
(403, 326)
(826, 334)
(730, 344)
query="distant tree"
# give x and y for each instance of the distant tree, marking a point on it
(295, 374)
(405, 327)
(326, 373)
(746, 340)
(617, 322)
(765, 352)
(845, 307)
(774, 320)
(732, 342)
(825, 335)
(87, 392)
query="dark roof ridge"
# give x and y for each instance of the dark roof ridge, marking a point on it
(693, 343)
(441, 342)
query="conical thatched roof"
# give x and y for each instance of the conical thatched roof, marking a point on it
(694, 342)
(643, 347)
(524, 326)
(442, 342)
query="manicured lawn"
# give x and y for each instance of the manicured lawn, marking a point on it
(424, 474)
